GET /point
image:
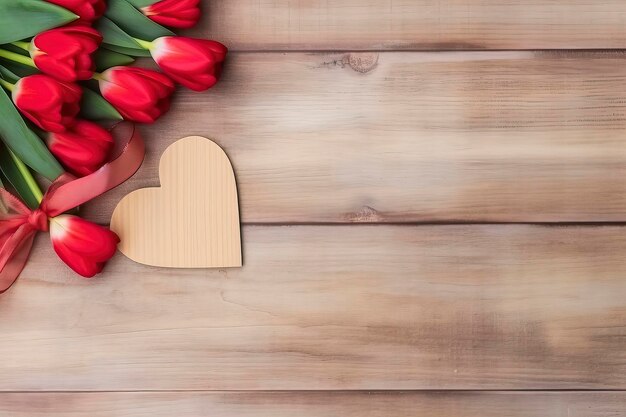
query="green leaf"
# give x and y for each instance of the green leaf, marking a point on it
(21, 140)
(133, 22)
(16, 49)
(105, 59)
(8, 75)
(112, 34)
(20, 19)
(18, 70)
(127, 51)
(94, 107)
(3, 208)
(12, 173)
(142, 3)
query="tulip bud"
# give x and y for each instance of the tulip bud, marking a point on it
(139, 94)
(83, 148)
(50, 104)
(87, 10)
(181, 14)
(65, 52)
(194, 63)
(84, 246)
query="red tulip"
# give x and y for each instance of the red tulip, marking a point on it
(87, 10)
(174, 13)
(65, 53)
(83, 148)
(139, 94)
(194, 63)
(83, 246)
(50, 104)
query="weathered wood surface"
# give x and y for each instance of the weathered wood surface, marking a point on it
(315, 404)
(368, 135)
(333, 307)
(405, 137)
(414, 24)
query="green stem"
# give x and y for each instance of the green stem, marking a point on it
(97, 76)
(22, 45)
(144, 44)
(17, 58)
(28, 177)
(7, 84)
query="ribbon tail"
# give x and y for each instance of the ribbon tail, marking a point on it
(14, 254)
(65, 193)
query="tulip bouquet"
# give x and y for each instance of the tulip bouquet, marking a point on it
(66, 72)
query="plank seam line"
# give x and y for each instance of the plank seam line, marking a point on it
(443, 223)
(381, 51)
(370, 391)
(433, 223)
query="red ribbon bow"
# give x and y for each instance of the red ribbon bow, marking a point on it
(19, 224)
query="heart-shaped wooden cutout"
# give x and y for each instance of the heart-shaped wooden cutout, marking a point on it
(192, 220)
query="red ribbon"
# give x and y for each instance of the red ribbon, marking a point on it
(19, 224)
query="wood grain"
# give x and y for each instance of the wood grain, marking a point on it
(315, 404)
(368, 136)
(414, 24)
(412, 137)
(333, 307)
(192, 220)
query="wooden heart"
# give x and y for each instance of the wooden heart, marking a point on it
(192, 220)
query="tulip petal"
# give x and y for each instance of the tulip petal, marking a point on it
(65, 52)
(82, 245)
(138, 94)
(174, 13)
(50, 104)
(83, 148)
(194, 63)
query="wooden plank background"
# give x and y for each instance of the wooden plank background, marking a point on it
(415, 24)
(334, 307)
(314, 404)
(395, 114)
(405, 137)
